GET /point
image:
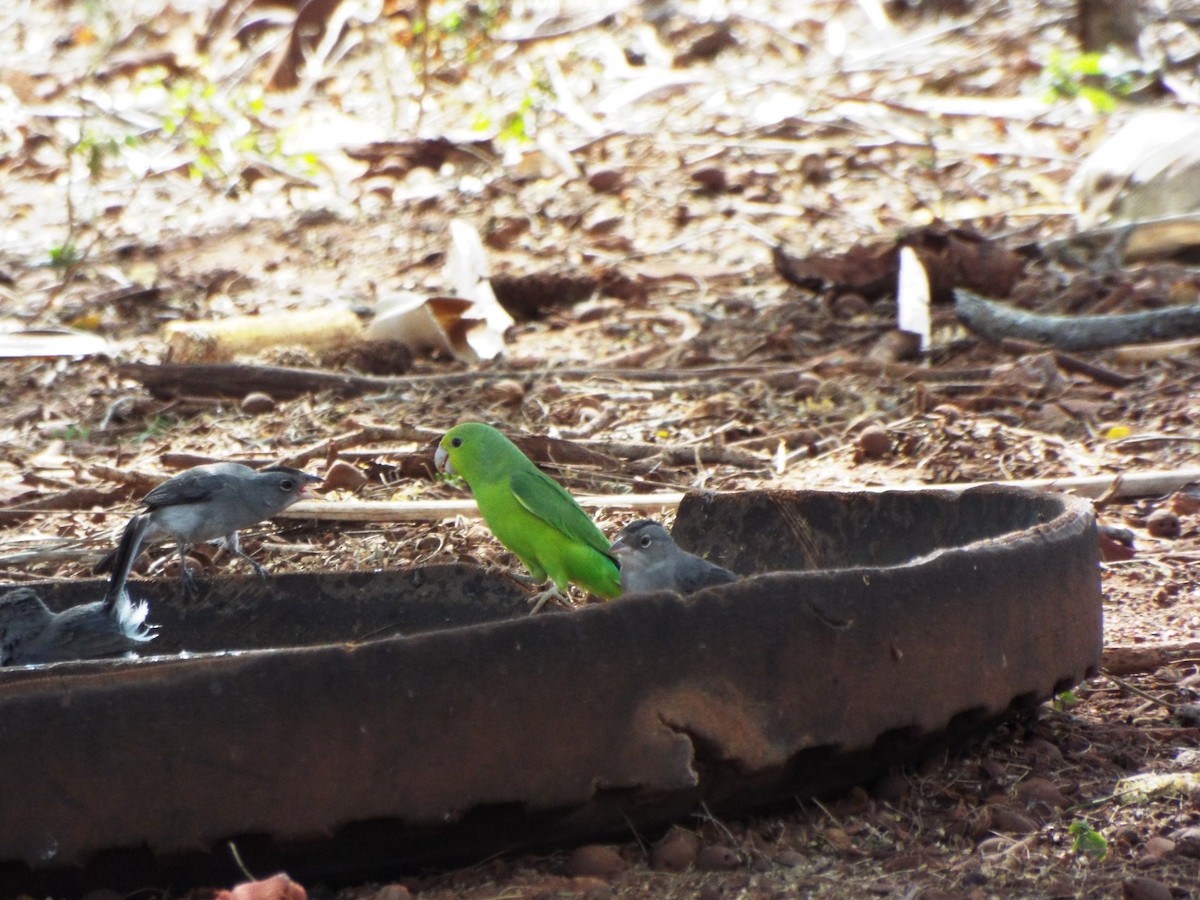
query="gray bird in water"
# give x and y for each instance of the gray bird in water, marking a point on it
(30, 633)
(214, 501)
(651, 561)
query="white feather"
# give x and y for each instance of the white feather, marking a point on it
(131, 618)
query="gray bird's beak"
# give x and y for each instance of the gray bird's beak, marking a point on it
(441, 461)
(618, 547)
(306, 491)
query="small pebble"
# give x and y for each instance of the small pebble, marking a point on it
(675, 852)
(256, 403)
(1039, 792)
(504, 391)
(790, 858)
(596, 861)
(1163, 523)
(807, 384)
(874, 442)
(717, 858)
(1010, 821)
(1158, 848)
(814, 169)
(711, 178)
(1044, 752)
(605, 181)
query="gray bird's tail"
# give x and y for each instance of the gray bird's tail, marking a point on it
(130, 617)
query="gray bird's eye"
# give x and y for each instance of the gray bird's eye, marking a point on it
(288, 484)
(646, 541)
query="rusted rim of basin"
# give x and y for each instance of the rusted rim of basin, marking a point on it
(940, 614)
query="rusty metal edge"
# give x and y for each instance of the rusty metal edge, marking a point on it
(747, 717)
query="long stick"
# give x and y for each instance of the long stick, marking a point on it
(1133, 484)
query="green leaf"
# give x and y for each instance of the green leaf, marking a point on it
(1065, 700)
(1088, 841)
(65, 256)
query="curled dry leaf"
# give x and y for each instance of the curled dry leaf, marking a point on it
(423, 324)
(342, 476)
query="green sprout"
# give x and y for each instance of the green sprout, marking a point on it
(65, 256)
(71, 432)
(1065, 700)
(1098, 78)
(157, 427)
(1088, 841)
(221, 128)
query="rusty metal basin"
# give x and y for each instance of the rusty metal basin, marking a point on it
(349, 725)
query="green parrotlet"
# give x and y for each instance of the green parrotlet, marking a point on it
(529, 512)
(652, 561)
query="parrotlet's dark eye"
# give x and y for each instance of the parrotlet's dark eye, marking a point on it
(455, 442)
(646, 542)
(288, 484)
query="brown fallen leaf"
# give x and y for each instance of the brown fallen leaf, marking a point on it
(951, 257)
(529, 296)
(395, 159)
(308, 28)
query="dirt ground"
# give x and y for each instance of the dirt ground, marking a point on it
(629, 170)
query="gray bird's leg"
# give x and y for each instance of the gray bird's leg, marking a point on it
(234, 546)
(185, 574)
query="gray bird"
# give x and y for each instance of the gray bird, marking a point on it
(30, 633)
(651, 561)
(214, 501)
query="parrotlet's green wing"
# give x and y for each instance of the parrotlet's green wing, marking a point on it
(550, 502)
